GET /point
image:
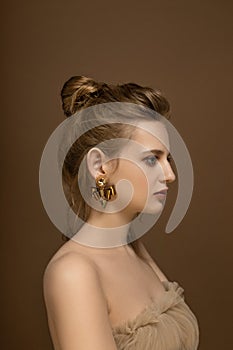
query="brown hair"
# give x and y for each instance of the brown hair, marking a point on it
(80, 92)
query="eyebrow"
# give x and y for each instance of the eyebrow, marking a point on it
(156, 151)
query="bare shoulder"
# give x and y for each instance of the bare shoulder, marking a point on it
(71, 268)
(69, 261)
(76, 304)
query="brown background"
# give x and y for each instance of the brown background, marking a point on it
(182, 47)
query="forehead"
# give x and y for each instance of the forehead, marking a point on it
(151, 135)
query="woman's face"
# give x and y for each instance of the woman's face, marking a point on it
(144, 162)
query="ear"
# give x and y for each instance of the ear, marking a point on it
(95, 162)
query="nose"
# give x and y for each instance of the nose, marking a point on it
(168, 173)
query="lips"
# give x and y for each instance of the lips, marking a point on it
(164, 191)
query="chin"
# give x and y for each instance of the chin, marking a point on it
(154, 209)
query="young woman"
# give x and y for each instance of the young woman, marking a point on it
(108, 296)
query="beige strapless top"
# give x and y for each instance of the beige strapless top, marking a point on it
(166, 324)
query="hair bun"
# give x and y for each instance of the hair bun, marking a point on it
(76, 91)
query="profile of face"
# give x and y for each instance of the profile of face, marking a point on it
(144, 162)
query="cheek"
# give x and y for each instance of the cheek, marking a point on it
(133, 173)
(139, 181)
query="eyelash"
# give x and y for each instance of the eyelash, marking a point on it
(169, 158)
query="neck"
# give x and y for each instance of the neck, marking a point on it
(110, 220)
(104, 230)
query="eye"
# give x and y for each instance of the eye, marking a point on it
(151, 161)
(169, 158)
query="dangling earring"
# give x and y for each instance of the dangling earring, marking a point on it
(101, 192)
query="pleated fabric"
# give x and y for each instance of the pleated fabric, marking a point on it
(166, 324)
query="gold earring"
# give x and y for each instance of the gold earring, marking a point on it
(102, 192)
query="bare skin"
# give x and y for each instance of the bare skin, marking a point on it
(88, 291)
(129, 283)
